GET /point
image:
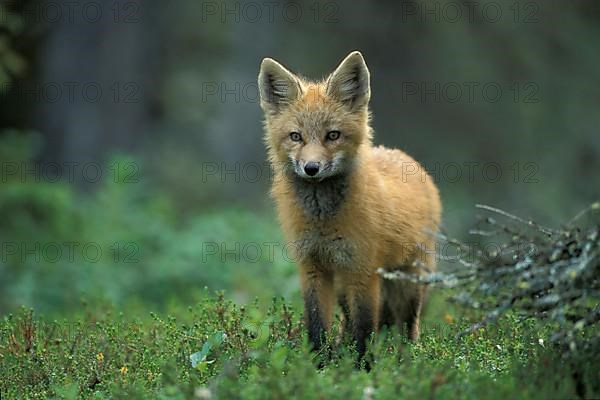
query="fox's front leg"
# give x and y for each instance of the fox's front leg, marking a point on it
(317, 290)
(362, 296)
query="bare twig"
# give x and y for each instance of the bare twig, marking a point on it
(546, 231)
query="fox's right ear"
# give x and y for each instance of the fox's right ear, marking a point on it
(277, 86)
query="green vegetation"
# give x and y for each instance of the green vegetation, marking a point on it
(257, 353)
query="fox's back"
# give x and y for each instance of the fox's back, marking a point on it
(406, 183)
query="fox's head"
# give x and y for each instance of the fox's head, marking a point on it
(316, 128)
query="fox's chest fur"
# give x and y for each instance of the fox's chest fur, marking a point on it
(321, 240)
(322, 200)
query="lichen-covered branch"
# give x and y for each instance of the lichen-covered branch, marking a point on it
(517, 264)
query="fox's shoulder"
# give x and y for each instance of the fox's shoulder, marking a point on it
(394, 165)
(406, 180)
(392, 160)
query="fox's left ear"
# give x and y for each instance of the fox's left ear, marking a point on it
(350, 82)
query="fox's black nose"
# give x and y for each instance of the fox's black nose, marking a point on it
(311, 168)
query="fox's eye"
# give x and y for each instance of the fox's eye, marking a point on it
(333, 135)
(295, 136)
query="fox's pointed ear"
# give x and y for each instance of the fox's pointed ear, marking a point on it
(350, 82)
(277, 86)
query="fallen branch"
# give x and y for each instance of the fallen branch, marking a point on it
(547, 274)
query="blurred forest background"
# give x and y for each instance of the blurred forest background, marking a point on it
(131, 154)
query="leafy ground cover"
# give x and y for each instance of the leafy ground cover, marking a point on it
(217, 349)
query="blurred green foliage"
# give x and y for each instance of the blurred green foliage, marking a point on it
(11, 63)
(123, 241)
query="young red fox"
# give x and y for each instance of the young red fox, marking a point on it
(348, 207)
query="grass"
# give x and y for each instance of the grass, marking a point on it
(261, 352)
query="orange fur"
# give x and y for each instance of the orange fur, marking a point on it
(382, 217)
